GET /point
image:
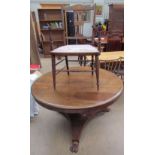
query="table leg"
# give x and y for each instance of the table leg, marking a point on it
(92, 64)
(66, 59)
(80, 60)
(77, 123)
(97, 70)
(84, 60)
(54, 71)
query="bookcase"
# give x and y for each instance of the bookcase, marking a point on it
(51, 21)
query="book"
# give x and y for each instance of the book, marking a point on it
(60, 25)
(57, 26)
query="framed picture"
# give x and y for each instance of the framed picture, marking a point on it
(99, 10)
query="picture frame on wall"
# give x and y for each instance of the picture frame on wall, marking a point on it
(99, 10)
(86, 16)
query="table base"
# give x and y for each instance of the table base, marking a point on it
(77, 123)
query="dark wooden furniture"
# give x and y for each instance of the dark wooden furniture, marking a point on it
(112, 61)
(76, 50)
(114, 65)
(116, 18)
(76, 98)
(114, 42)
(101, 42)
(115, 27)
(51, 22)
(110, 43)
(105, 56)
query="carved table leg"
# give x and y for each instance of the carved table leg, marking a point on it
(77, 123)
(74, 147)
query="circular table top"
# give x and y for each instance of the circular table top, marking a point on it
(76, 91)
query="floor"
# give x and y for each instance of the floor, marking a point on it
(103, 135)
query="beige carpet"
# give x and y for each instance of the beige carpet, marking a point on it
(50, 131)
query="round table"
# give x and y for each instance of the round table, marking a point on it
(77, 98)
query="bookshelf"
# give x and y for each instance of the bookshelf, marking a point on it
(51, 21)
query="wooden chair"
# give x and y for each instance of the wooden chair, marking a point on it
(75, 50)
(116, 66)
(82, 50)
(82, 14)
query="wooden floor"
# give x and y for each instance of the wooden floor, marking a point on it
(50, 131)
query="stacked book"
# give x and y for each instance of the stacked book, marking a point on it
(56, 25)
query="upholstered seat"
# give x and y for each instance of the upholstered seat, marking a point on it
(75, 50)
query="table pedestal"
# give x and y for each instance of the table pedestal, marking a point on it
(77, 123)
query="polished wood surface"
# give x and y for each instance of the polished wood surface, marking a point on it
(111, 55)
(104, 56)
(77, 91)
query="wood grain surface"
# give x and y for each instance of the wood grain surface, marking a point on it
(109, 55)
(76, 91)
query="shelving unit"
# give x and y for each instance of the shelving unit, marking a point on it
(51, 21)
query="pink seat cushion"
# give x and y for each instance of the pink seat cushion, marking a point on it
(73, 49)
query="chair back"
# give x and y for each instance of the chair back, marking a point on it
(116, 66)
(83, 22)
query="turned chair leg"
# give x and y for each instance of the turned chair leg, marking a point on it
(66, 59)
(80, 60)
(97, 70)
(84, 60)
(54, 71)
(92, 64)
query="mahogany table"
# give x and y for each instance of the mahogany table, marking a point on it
(76, 97)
